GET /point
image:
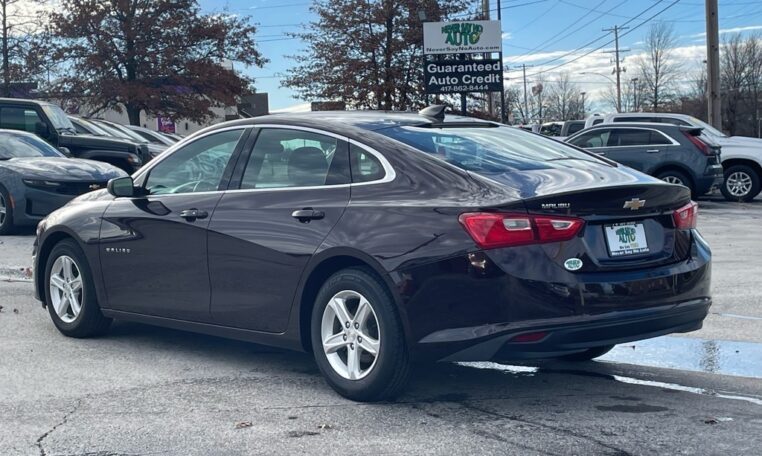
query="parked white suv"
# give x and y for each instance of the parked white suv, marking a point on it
(741, 156)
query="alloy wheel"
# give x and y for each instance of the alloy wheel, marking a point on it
(673, 180)
(738, 184)
(66, 288)
(3, 209)
(350, 334)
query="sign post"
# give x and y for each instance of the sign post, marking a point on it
(451, 76)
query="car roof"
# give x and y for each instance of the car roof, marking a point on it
(636, 125)
(7, 131)
(25, 101)
(646, 114)
(362, 120)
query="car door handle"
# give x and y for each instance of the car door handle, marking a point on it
(193, 214)
(307, 214)
(652, 151)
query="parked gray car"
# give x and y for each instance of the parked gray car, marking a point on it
(676, 154)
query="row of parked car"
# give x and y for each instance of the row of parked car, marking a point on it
(37, 142)
(675, 147)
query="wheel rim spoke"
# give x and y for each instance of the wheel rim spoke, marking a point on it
(353, 363)
(334, 343)
(339, 307)
(369, 344)
(58, 282)
(63, 306)
(76, 284)
(363, 311)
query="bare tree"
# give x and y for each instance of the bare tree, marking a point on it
(563, 98)
(658, 68)
(22, 43)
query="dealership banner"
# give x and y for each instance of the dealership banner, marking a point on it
(463, 37)
(456, 76)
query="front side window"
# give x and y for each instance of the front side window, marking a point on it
(592, 139)
(196, 167)
(24, 119)
(284, 158)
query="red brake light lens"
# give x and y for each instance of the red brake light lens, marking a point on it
(701, 145)
(685, 217)
(492, 230)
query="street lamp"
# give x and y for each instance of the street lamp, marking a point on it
(602, 75)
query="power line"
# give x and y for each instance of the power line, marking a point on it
(609, 42)
(589, 43)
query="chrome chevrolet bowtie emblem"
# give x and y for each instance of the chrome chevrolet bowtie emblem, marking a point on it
(94, 186)
(634, 204)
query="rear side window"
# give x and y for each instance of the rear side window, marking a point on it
(490, 149)
(622, 137)
(365, 167)
(284, 158)
(575, 127)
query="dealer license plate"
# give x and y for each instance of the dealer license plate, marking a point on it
(626, 239)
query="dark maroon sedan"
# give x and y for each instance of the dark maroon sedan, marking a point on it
(378, 240)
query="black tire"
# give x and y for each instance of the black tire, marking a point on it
(90, 321)
(672, 175)
(389, 375)
(737, 171)
(6, 224)
(589, 354)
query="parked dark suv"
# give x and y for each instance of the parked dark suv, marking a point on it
(50, 123)
(673, 153)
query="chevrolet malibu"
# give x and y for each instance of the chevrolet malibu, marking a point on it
(377, 241)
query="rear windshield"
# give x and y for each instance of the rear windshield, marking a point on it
(491, 150)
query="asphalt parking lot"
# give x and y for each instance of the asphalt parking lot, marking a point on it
(145, 390)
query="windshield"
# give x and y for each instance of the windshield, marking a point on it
(128, 133)
(111, 131)
(93, 127)
(18, 146)
(708, 128)
(58, 117)
(490, 150)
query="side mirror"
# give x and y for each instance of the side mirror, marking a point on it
(65, 151)
(121, 187)
(42, 130)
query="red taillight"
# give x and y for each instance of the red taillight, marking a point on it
(685, 217)
(701, 145)
(491, 230)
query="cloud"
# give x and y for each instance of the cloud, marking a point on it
(507, 36)
(746, 28)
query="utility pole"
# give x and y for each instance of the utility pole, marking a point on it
(713, 64)
(485, 14)
(617, 70)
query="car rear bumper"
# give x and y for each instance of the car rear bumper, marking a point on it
(706, 184)
(570, 335)
(470, 309)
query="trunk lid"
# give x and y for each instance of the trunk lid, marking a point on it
(613, 202)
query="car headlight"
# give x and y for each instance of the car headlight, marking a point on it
(41, 183)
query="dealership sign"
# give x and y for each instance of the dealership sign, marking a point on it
(455, 76)
(463, 37)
